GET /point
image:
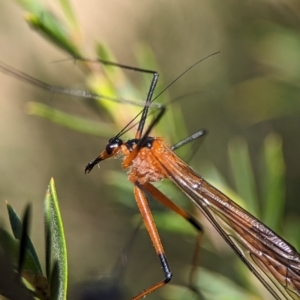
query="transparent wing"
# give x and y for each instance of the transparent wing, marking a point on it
(271, 259)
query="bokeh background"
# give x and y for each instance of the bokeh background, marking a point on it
(250, 90)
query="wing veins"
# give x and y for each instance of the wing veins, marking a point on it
(269, 248)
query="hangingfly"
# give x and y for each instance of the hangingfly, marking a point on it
(148, 159)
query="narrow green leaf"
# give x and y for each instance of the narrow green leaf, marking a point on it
(177, 130)
(48, 242)
(9, 244)
(33, 6)
(28, 266)
(54, 281)
(113, 82)
(104, 53)
(32, 262)
(54, 30)
(15, 221)
(11, 286)
(291, 230)
(243, 174)
(55, 226)
(11, 249)
(116, 82)
(44, 21)
(274, 182)
(24, 238)
(69, 13)
(76, 123)
(146, 60)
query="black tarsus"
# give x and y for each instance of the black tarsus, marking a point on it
(165, 267)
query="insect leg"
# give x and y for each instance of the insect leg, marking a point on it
(152, 230)
(158, 195)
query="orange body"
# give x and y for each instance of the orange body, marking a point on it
(273, 260)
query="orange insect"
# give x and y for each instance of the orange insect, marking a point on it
(148, 159)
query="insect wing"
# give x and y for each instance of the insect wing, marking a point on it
(272, 260)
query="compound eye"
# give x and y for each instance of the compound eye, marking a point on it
(112, 144)
(109, 148)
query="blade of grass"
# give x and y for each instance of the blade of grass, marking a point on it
(32, 262)
(10, 285)
(274, 182)
(55, 226)
(72, 122)
(24, 238)
(69, 13)
(49, 26)
(243, 174)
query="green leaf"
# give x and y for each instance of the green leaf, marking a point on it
(69, 13)
(47, 24)
(243, 174)
(31, 262)
(44, 21)
(53, 223)
(15, 221)
(33, 6)
(274, 182)
(11, 286)
(114, 82)
(48, 244)
(72, 122)
(54, 281)
(111, 69)
(146, 60)
(24, 238)
(104, 53)
(291, 230)
(8, 244)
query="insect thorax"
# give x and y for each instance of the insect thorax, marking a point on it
(144, 167)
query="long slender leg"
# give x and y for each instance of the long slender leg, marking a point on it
(152, 230)
(158, 195)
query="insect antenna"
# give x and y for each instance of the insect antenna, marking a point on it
(149, 99)
(22, 76)
(63, 90)
(126, 129)
(187, 70)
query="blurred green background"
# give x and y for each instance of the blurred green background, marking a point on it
(250, 90)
